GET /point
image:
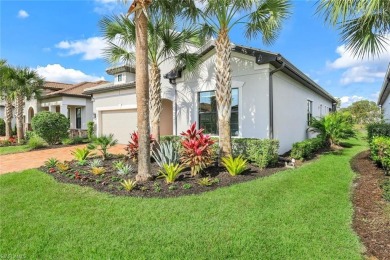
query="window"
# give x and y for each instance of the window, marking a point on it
(208, 116)
(119, 77)
(309, 111)
(78, 117)
(68, 113)
(320, 110)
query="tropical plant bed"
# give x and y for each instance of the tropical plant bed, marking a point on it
(111, 181)
(372, 213)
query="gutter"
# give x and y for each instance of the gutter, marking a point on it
(271, 98)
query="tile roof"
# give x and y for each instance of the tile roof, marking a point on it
(108, 87)
(56, 85)
(76, 89)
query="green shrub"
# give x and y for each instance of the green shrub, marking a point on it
(90, 130)
(52, 127)
(380, 151)
(386, 189)
(264, 152)
(377, 129)
(307, 148)
(30, 134)
(234, 166)
(170, 138)
(2, 127)
(36, 142)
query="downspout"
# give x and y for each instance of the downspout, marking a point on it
(271, 99)
(173, 83)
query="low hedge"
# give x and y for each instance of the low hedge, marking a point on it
(306, 149)
(380, 151)
(262, 152)
(377, 129)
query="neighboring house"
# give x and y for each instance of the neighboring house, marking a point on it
(271, 99)
(64, 98)
(384, 100)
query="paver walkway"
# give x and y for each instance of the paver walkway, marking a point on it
(34, 159)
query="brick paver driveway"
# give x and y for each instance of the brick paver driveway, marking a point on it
(34, 159)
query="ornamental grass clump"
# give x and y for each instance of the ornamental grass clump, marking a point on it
(133, 146)
(235, 166)
(197, 151)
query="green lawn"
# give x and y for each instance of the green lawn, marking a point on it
(297, 214)
(14, 149)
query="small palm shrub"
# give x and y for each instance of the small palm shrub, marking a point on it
(129, 185)
(52, 127)
(36, 142)
(133, 146)
(333, 127)
(102, 144)
(166, 153)
(170, 172)
(51, 162)
(380, 152)
(96, 163)
(98, 170)
(197, 150)
(234, 166)
(81, 154)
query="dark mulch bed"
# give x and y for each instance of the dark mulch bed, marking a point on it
(111, 181)
(372, 213)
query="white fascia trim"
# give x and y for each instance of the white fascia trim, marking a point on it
(119, 107)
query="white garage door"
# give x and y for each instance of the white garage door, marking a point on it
(121, 123)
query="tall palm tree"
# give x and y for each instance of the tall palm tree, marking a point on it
(165, 44)
(7, 75)
(221, 16)
(28, 84)
(364, 24)
(139, 8)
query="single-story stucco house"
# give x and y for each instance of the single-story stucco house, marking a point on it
(384, 100)
(64, 98)
(271, 98)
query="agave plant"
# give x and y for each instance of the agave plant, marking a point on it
(166, 153)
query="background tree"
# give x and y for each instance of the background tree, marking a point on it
(363, 24)
(364, 112)
(7, 75)
(259, 17)
(165, 44)
(28, 84)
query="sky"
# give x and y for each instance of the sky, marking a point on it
(62, 41)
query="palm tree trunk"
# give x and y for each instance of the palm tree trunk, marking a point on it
(8, 118)
(19, 117)
(155, 100)
(223, 91)
(142, 93)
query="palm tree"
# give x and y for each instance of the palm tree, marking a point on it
(7, 74)
(220, 16)
(364, 24)
(28, 84)
(165, 44)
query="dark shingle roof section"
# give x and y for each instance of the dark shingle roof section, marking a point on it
(76, 90)
(108, 87)
(385, 90)
(120, 69)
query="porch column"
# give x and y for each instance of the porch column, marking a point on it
(64, 110)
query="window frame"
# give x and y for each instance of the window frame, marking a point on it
(119, 78)
(309, 111)
(238, 112)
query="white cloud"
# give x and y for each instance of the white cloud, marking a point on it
(361, 70)
(23, 14)
(91, 48)
(347, 101)
(55, 72)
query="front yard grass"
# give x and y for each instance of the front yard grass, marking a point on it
(304, 213)
(14, 149)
